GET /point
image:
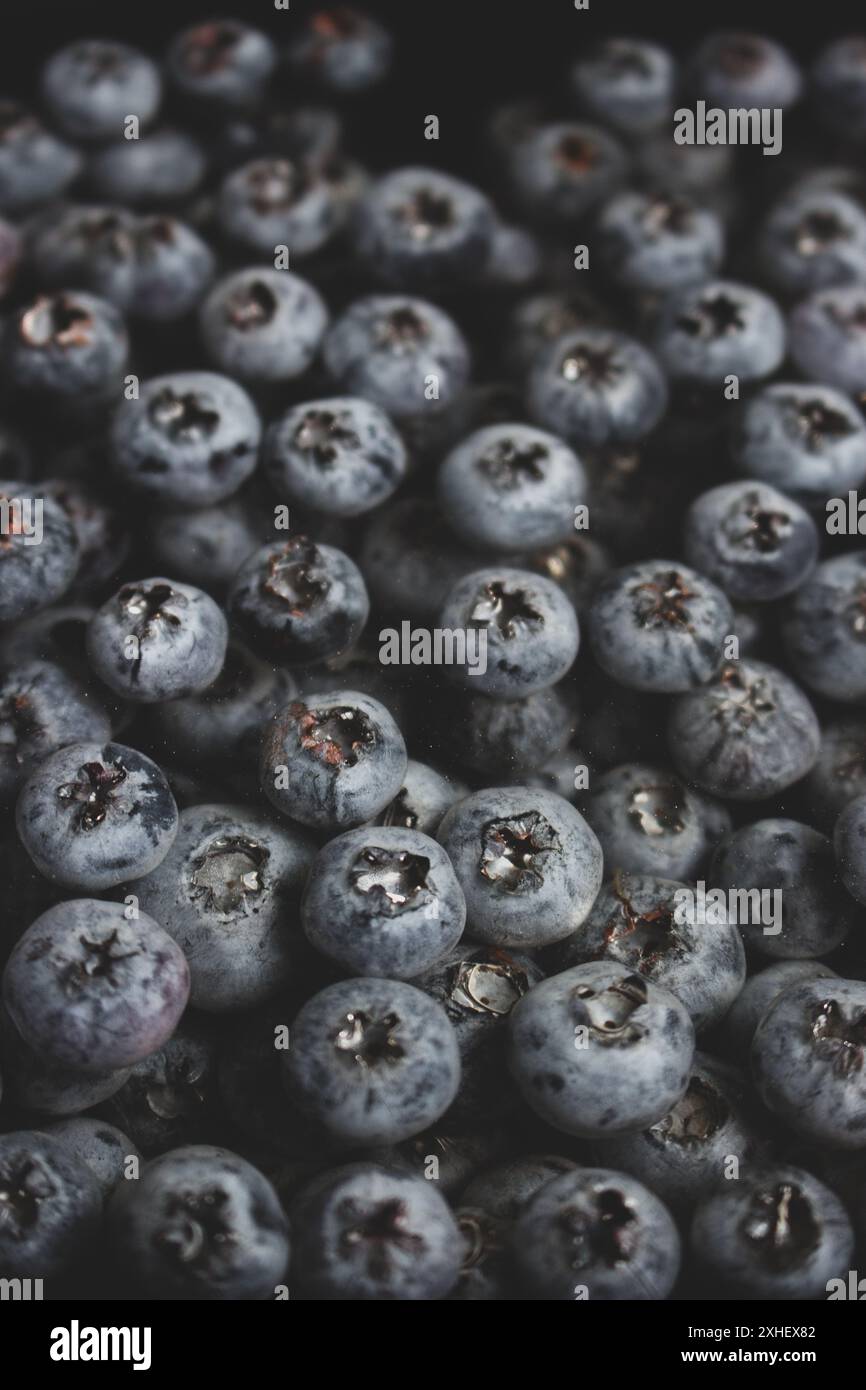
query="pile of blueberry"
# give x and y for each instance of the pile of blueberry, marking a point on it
(336, 966)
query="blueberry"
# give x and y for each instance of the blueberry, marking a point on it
(827, 335)
(341, 456)
(838, 80)
(396, 352)
(189, 438)
(659, 626)
(807, 1060)
(720, 329)
(102, 1148)
(221, 726)
(540, 319)
(797, 861)
(157, 640)
(649, 822)
(48, 1089)
(778, 1233)
(597, 387)
(228, 892)
(812, 240)
(205, 547)
(341, 49)
(501, 739)
(39, 552)
(169, 1098)
(299, 600)
(478, 986)
(597, 1234)
(503, 1191)
(639, 921)
(50, 1205)
(383, 901)
(418, 227)
(90, 989)
(655, 242)
(598, 1050)
(422, 800)
(363, 1233)
(511, 487)
(332, 761)
(274, 202)
(807, 440)
(528, 864)
(824, 628)
(758, 993)
(625, 83)
(747, 734)
(42, 709)
(161, 167)
(742, 69)
(686, 1153)
(92, 85)
(103, 538)
(93, 815)
(848, 837)
(221, 64)
(373, 1061)
(262, 326)
(201, 1223)
(528, 625)
(410, 560)
(66, 350)
(560, 171)
(755, 543)
(35, 166)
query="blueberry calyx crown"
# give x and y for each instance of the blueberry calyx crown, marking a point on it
(323, 433)
(367, 1041)
(403, 329)
(753, 527)
(24, 1186)
(657, 809)
(741, 55)
(93, 792)
(818, 422)
(377, 1229)
(18, 719)
(101, 60)
(816, 231)
(146, 607)
(98, 961)
(182, 416)
(179, 1091)
(208, 48)
(606, 1234)
(781, 1225)
(514, 851)
(508, 610)
(341, 22)
(595, 366)
(295, 576)
(251, 306)
(663, 601)
(742, 699)
(620, 58)
(396, 878)
(715, 316)
(489, 986)
(424, 213)
(229, 872)
(337, 737)
(857, 608)
(15, 122)
(196, 1226)
(693, 1120)
(508, 463)
(667, 214)
(641, 938)
(275, 185)
(840, 1038)
(575, 154)
(56, 321)
(607, 1014)
(481, 1236)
